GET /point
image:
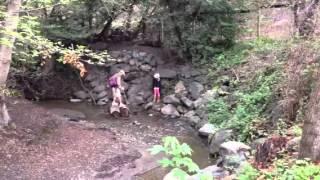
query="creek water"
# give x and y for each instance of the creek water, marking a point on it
(156, 128)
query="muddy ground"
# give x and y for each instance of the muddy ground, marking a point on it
(44, 145)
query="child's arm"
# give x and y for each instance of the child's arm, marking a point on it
(119, 82)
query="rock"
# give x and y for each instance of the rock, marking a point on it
(69, 114)
(146, 67)
(187, 102)
(136, 100)
(135, 55)
(98, 46)
(215, 171)
(201, 79)
(167, 73)
(148, 106)
(147, 95)
(90, 77)
(217, 139)
(171, 99)
(99, 88)
(195, 89)
(152, 62)
(197, 103)
(257, 142)
(148, 59)
(209, 95)
(170, 176)
(170, 110)
(294, 144)
(207, 129)
(190, 113)
(142, 54)
(180, 88)
(232, 148)
(75, 100)
(195, 73)
(102, 94)
(192, 118)
(95, 83)
(182, 110)
(132, 62)
(103, 101)
(115, 54)
(156, 107)
(81, 95)
(132, 76)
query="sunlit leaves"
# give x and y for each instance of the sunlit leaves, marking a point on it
(177, 157)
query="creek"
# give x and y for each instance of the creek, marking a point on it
(141, 131)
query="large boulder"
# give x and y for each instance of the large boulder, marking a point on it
(217, 139)
(180, 88)
(136, 100)
(195, 89)
(215, 171)
(103, 101)
(171, 176)
(167, 73)
(99, 88)
(233, 155)
(81, 94)
(170, 110)
(171, 99)
(145, 67)
(192, 118)
(187, 102)
(90, 77)
(207, 129)
(95, 83)
(102, 94)
(232, 148)
(293, 144)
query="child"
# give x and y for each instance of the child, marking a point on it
(156, 88)
(115, 84)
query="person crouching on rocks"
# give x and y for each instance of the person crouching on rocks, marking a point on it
(115, 84)
(156, 88)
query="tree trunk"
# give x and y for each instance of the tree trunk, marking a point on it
(310, 142)
(304, 17)
(10, 25)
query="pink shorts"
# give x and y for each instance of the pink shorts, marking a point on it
(156, 92)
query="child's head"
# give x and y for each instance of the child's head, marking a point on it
(156, 76)
(122, 72)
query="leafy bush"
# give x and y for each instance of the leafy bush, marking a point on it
(299, 170)
(248, 173)
(250, 106)
(177, 158)
(296, 170)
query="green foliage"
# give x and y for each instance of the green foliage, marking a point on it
(248, 173)
(299, 170)
(250, 105)
(297, 130)
(177, 158)
(296, 170)
(238, 53)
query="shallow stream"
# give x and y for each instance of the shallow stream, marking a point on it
(141, 128)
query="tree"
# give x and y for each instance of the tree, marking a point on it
(10, 24)
(310, 142)
(304, 16)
